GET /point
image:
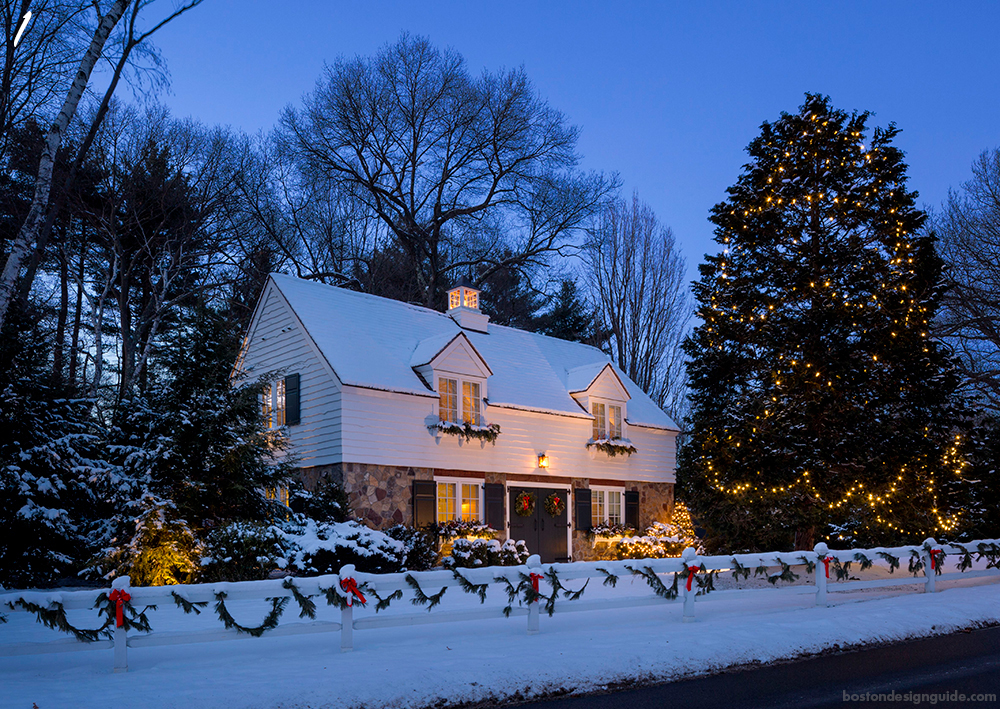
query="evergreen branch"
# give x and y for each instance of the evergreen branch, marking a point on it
(916, 563)
(655, 583)
(530, 594)
(609, 578)
(760, 571)
(786, 574)
(131, 619)
(966, 562)
(511, 591)
(809, 564)
(740, 570)
(383, 603)
(187, 605)
(420, 598)
(469, 587)
(307, 607)
(865, 562)
(55, 618)
(705, 581)
(270, 621)
(893, 561)
(842, 570)
(575, 595)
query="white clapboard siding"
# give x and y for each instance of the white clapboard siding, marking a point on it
(277, 343)
(386, 428)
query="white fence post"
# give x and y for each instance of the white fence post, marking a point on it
(927, 554)
(822, 572)
(535, 571)
(690, 558)
(346, 584)
(119, 594)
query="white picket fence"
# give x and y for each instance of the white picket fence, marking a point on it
(691, 567)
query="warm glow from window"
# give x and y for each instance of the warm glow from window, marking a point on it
(470, 503)
(448, 400)
(614, 422)
(265, 405)
(614, 507)
(471, 299)
(454, 299)
(597, 507)
(447, 498)
(279, 403)
(280, 494)
(459, 500)
(472, 404)
(600, 420)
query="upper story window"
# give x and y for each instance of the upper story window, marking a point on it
(472, 404)
(607, 420)
(280, 402)
(472, 401)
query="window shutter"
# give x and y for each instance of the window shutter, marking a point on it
(292, 408)
(495, 494)
(581, 501)
(424, 502)
(632, 508)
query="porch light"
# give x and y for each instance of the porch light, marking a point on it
(543, 460)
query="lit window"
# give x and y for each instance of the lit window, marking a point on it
(471, 299)
(279, 403)
(600, 420)
(614, 507)
(454, 299)
(597, 508)
(472, 404)
(470, 502)
(459, 500)
(446, 501)
(266, 406)
(614, 422)
(448, 400)
(277, 493)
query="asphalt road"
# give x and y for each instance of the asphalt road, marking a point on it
(966, 662)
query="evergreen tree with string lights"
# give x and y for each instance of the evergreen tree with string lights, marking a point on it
(821, 407)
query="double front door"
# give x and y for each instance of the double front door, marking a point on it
(544, 533)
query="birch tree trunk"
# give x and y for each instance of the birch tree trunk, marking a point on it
(28, 235)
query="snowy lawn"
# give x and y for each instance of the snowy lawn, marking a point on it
(415, 666)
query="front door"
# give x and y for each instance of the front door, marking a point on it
(545, 534)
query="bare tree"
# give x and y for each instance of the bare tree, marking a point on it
(969, 230)
(444, 159)
(636, 277)
(35, 230)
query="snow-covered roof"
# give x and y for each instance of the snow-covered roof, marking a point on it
(376, 342)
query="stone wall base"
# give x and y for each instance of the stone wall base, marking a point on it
(381, 495)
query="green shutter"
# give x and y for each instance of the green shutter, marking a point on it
(293, 414)
(581, 501)
(424, 502)
(495, 494)
(632, 508)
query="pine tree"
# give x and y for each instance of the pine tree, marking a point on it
(569, 318)
(821, 406)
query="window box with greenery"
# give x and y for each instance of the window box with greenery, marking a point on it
(612, 446)
(473, 424)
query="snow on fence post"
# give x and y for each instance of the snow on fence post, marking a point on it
(927, 554)
(690, 558)
(346, 587)
(822, 572)
(534, 565)
(120, 588)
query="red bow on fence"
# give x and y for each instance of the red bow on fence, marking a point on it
(934, 553)
(351, 587)
(535, 578)
(692, 570)
(826, 564)
(119, 596)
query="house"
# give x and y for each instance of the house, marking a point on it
(427, 417)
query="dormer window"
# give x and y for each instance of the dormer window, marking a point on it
(448, 400)
(472, 404)
(607, 420)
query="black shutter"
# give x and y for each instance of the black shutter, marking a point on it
(293, 413)
(632, 508)
(581, 501)
(495, 494)
(424, 502)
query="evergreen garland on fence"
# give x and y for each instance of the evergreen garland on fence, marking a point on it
(188, 606)
(469, 587)
(655, 583)
(270, 621)
(786, 574)
(740, 570)
(609, 578)
(307, 607)
(55, 618)
(893, 561)
(420, 598)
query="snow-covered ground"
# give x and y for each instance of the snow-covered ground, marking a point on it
(415, 666)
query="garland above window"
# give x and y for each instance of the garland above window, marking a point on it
(468, 430)
(613, 446)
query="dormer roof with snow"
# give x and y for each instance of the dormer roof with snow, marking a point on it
(378, 343)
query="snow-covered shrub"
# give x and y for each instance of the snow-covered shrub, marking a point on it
(323, 548)
(611, 531)
(327, 503)
(242, 551)
(419, 547)
(460, 528)
(474, 553)
(162, 551)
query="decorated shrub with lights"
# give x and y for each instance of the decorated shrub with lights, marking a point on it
(822, 406)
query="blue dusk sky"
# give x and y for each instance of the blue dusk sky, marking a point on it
(666, 94)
